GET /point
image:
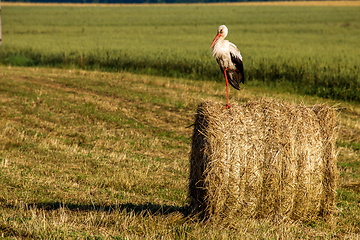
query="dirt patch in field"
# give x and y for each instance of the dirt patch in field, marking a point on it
(353, 186)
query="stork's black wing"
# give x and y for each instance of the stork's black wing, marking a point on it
(236, 59)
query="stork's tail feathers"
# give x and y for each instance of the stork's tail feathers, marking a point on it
(234, 79)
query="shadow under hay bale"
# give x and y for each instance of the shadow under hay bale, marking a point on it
(264, 159)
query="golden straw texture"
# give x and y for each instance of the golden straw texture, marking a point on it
(264, 159)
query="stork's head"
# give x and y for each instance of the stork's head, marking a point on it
(222, 32)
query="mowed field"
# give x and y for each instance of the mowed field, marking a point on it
(87, 154)
(95, 154)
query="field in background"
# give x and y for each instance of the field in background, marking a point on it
(304, 49)
(95, 155)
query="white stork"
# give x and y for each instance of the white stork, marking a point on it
(229, 59)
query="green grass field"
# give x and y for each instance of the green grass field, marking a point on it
(304, 49)
(103, 152)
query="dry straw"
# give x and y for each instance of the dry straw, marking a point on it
(264, 159)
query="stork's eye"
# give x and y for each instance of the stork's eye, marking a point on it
(221, 30)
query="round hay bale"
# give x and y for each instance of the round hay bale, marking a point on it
(263, 159)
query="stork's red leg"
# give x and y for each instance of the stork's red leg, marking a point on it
(227, 89)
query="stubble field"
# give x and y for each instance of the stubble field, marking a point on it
(89, 154)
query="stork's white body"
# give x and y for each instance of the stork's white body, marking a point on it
(229, 59)
(221, 51)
